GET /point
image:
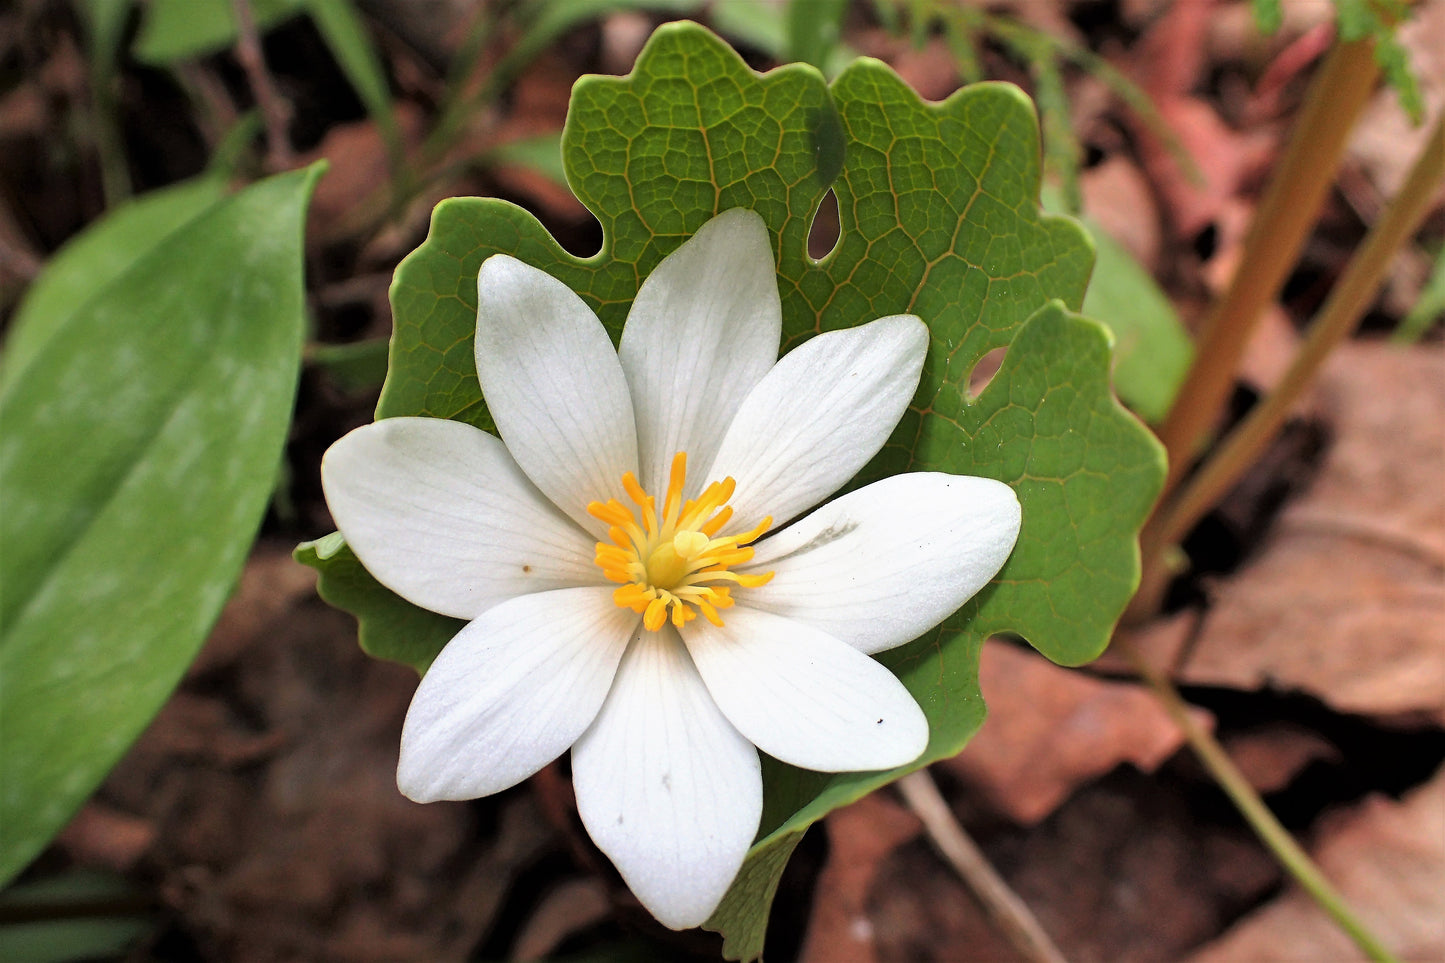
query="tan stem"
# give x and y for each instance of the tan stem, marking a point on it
(1290, 206)
(275, 110)
(1274, 836)
(1336, 320)
(1003, 906)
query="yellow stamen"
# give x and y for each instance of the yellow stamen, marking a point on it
(671, 562)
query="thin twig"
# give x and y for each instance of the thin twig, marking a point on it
(1274, 836)
(1366, 529)
(275, 109)
(1004, 908)
(16, 257)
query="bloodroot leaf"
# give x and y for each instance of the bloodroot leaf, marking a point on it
(939, 217)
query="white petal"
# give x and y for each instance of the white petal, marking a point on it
(439, 513)
(554, 386)
(702, 332)
(824, 410)
(804, 697)
(665, 786)
(511, 692)
(880, 566)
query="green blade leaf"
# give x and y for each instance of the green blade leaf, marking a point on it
(939, 217)
(1152, 350)
(175, 30)
(53, 931)
(141, 443)
(347, 39)
(96, 257)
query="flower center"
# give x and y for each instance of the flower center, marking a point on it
(674, 560)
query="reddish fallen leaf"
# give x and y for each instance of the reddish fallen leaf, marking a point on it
(572, 906)
(860, 837)
(1226, 160)
(1271, 350)
(931, 69)
(1050, 730)
(1270, 757)
(102, 835)
(539, 106)
(279, 834)
(1388, 861)
(1347, 600)
(1118, 197)
(359, 166)
(1167, 63)
(1124, 872)
(918, 910)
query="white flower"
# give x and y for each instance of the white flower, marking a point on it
(618, 603)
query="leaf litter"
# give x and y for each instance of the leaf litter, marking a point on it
(260, 810)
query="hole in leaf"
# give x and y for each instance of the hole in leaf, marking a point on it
(823, 232)
(983, 372)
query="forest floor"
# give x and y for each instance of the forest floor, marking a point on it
(258, 816)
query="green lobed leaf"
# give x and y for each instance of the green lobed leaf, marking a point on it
(939, 217)
(388, 627)
(141, 442)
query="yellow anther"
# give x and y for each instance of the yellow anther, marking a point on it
(673, 565)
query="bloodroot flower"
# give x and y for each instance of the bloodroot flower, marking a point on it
(636, 586)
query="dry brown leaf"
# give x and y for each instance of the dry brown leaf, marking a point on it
(102, 835)
(1124, 872)
(1117, 196)
(1388, 861)
(358, 165)
(270, 781)
(860, 838)
(919, 911)
(573, 905)
(1347, 601)
(1270, 757)
(931, 69)
(1271, 350)
(1226, 160)
(1051, 729)
(539, 106)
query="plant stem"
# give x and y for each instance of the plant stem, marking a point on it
(1004, 908)
(275, 111)
(109, 142)
(1274, 836)
(1336, 320)
(1289, 207)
